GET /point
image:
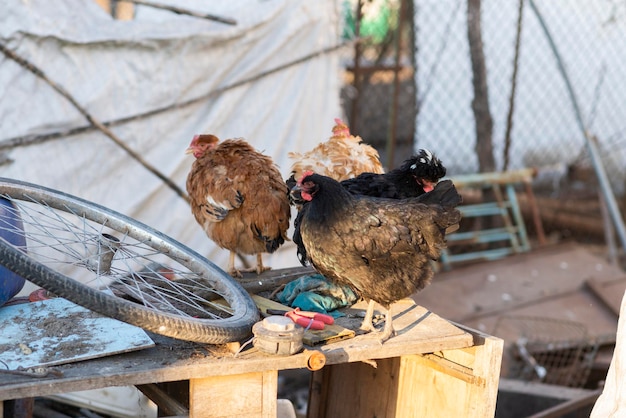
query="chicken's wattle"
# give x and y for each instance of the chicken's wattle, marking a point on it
(428, 186)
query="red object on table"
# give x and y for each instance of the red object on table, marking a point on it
(306, 319)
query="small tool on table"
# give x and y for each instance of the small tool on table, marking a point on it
(306, 319)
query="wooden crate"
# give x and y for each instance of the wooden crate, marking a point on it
(448, 383)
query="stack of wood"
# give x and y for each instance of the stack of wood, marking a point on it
(578, 215)
(575, 207)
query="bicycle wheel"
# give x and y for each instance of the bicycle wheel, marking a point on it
(119, 267)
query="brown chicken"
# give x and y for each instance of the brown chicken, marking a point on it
(342, 157)
(239, 198)
(381, 247)
(416, 176)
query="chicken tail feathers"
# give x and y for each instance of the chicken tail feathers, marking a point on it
(449, 198)
(443, 199)
(271, 243)
(448, 220)
(444, 194)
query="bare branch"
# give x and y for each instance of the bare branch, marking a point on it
(180, 11)
(93, 121)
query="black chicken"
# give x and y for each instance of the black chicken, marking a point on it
(381, 247)
(416, 176)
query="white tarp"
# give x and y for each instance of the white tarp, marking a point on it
(118, 69)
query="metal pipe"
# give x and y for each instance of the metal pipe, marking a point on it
(356, 82)
(392, 132)
(105, 251)
(605, 185)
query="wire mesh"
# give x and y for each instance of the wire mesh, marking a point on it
(547, 350)
(588, 34)
(543, 131)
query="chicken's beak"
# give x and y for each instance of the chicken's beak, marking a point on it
(189, 150)
(296, 195)
(296, 192)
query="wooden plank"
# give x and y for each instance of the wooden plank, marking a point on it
(581, 307)
(105, 4)
(485, 255)
(421, 398)
(486, 235)
(451, 368)
(168, 361)
(418, 331)
(272, 279)
(124, 10)
(167, 404)
(468, 293)
(467, 381)
(486, 365)
(501, 177)
(330, 333)
(235, 396)
(538, 389)
(608, 292)
(483, 209)
(355, 390)
(571, 406)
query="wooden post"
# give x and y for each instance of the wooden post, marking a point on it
(249, 395)
(123, 10)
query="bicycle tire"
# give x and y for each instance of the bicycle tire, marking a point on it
(76, 223)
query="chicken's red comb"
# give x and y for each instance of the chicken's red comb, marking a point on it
(304, 175)
(207, 138)
(340, 128)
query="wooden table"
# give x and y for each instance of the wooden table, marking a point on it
(432, 368)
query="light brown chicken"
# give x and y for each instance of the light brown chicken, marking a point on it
(342, 157)
(239, 198)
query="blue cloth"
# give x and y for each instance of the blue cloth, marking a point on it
(316, 293)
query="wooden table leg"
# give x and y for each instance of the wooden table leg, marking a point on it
(247, 395)
(18, 408)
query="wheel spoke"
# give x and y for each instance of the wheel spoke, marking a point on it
(71, 244)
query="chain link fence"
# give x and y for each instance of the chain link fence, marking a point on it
(534, 117)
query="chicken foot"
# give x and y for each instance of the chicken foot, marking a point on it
(368, 325)
(260, 268)
(388, 331)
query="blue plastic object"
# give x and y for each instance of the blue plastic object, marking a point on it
(12, 230)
